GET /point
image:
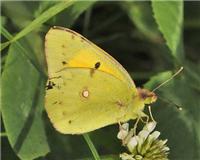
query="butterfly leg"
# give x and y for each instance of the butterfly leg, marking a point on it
(148, 118)
(119, 123)
(150, 113)
(145, 121)
(135, 126)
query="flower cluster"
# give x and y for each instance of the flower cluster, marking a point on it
(143, 146)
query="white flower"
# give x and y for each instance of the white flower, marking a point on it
(145, 145)
(124, 129)
(150, 126)
(132, 143)
(143, 134)
(125, 156)
(154, 135)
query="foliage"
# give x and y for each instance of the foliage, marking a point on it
(145, 37)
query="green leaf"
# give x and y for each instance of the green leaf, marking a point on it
(65, 146)
(30, 56)
(17, 12)
(181, 128)
(36, 49)
(22, 105)
(42, 18)
(192, 70)
(3, 20)
(169, 17)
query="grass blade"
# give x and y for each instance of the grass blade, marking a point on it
(40, 20)
(22, 50)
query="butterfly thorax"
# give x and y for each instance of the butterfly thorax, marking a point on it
(147, 96)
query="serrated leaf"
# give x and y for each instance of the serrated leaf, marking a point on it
(169, 17)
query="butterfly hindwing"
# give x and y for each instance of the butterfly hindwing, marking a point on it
(80, 102)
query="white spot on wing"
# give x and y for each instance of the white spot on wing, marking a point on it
(85, 93)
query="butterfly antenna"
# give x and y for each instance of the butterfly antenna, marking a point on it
(174, 75)
(172, 103)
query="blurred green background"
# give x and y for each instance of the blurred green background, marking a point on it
(150, 39)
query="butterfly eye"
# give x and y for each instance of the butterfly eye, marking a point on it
(97, 65)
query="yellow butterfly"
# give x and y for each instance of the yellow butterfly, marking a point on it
(87, 88)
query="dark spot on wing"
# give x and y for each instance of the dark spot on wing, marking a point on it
(120, 103)
(64, 62)
(72, 32)
(63, 46)
(97, 65)
(60, 102)
(92, 72)
(70, 121)
(55, 102)
(65, 29)
(50, 85)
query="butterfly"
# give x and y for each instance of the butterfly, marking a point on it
(87, 88)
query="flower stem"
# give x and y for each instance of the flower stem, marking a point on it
(91, 146)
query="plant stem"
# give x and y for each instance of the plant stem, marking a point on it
(91, 146)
